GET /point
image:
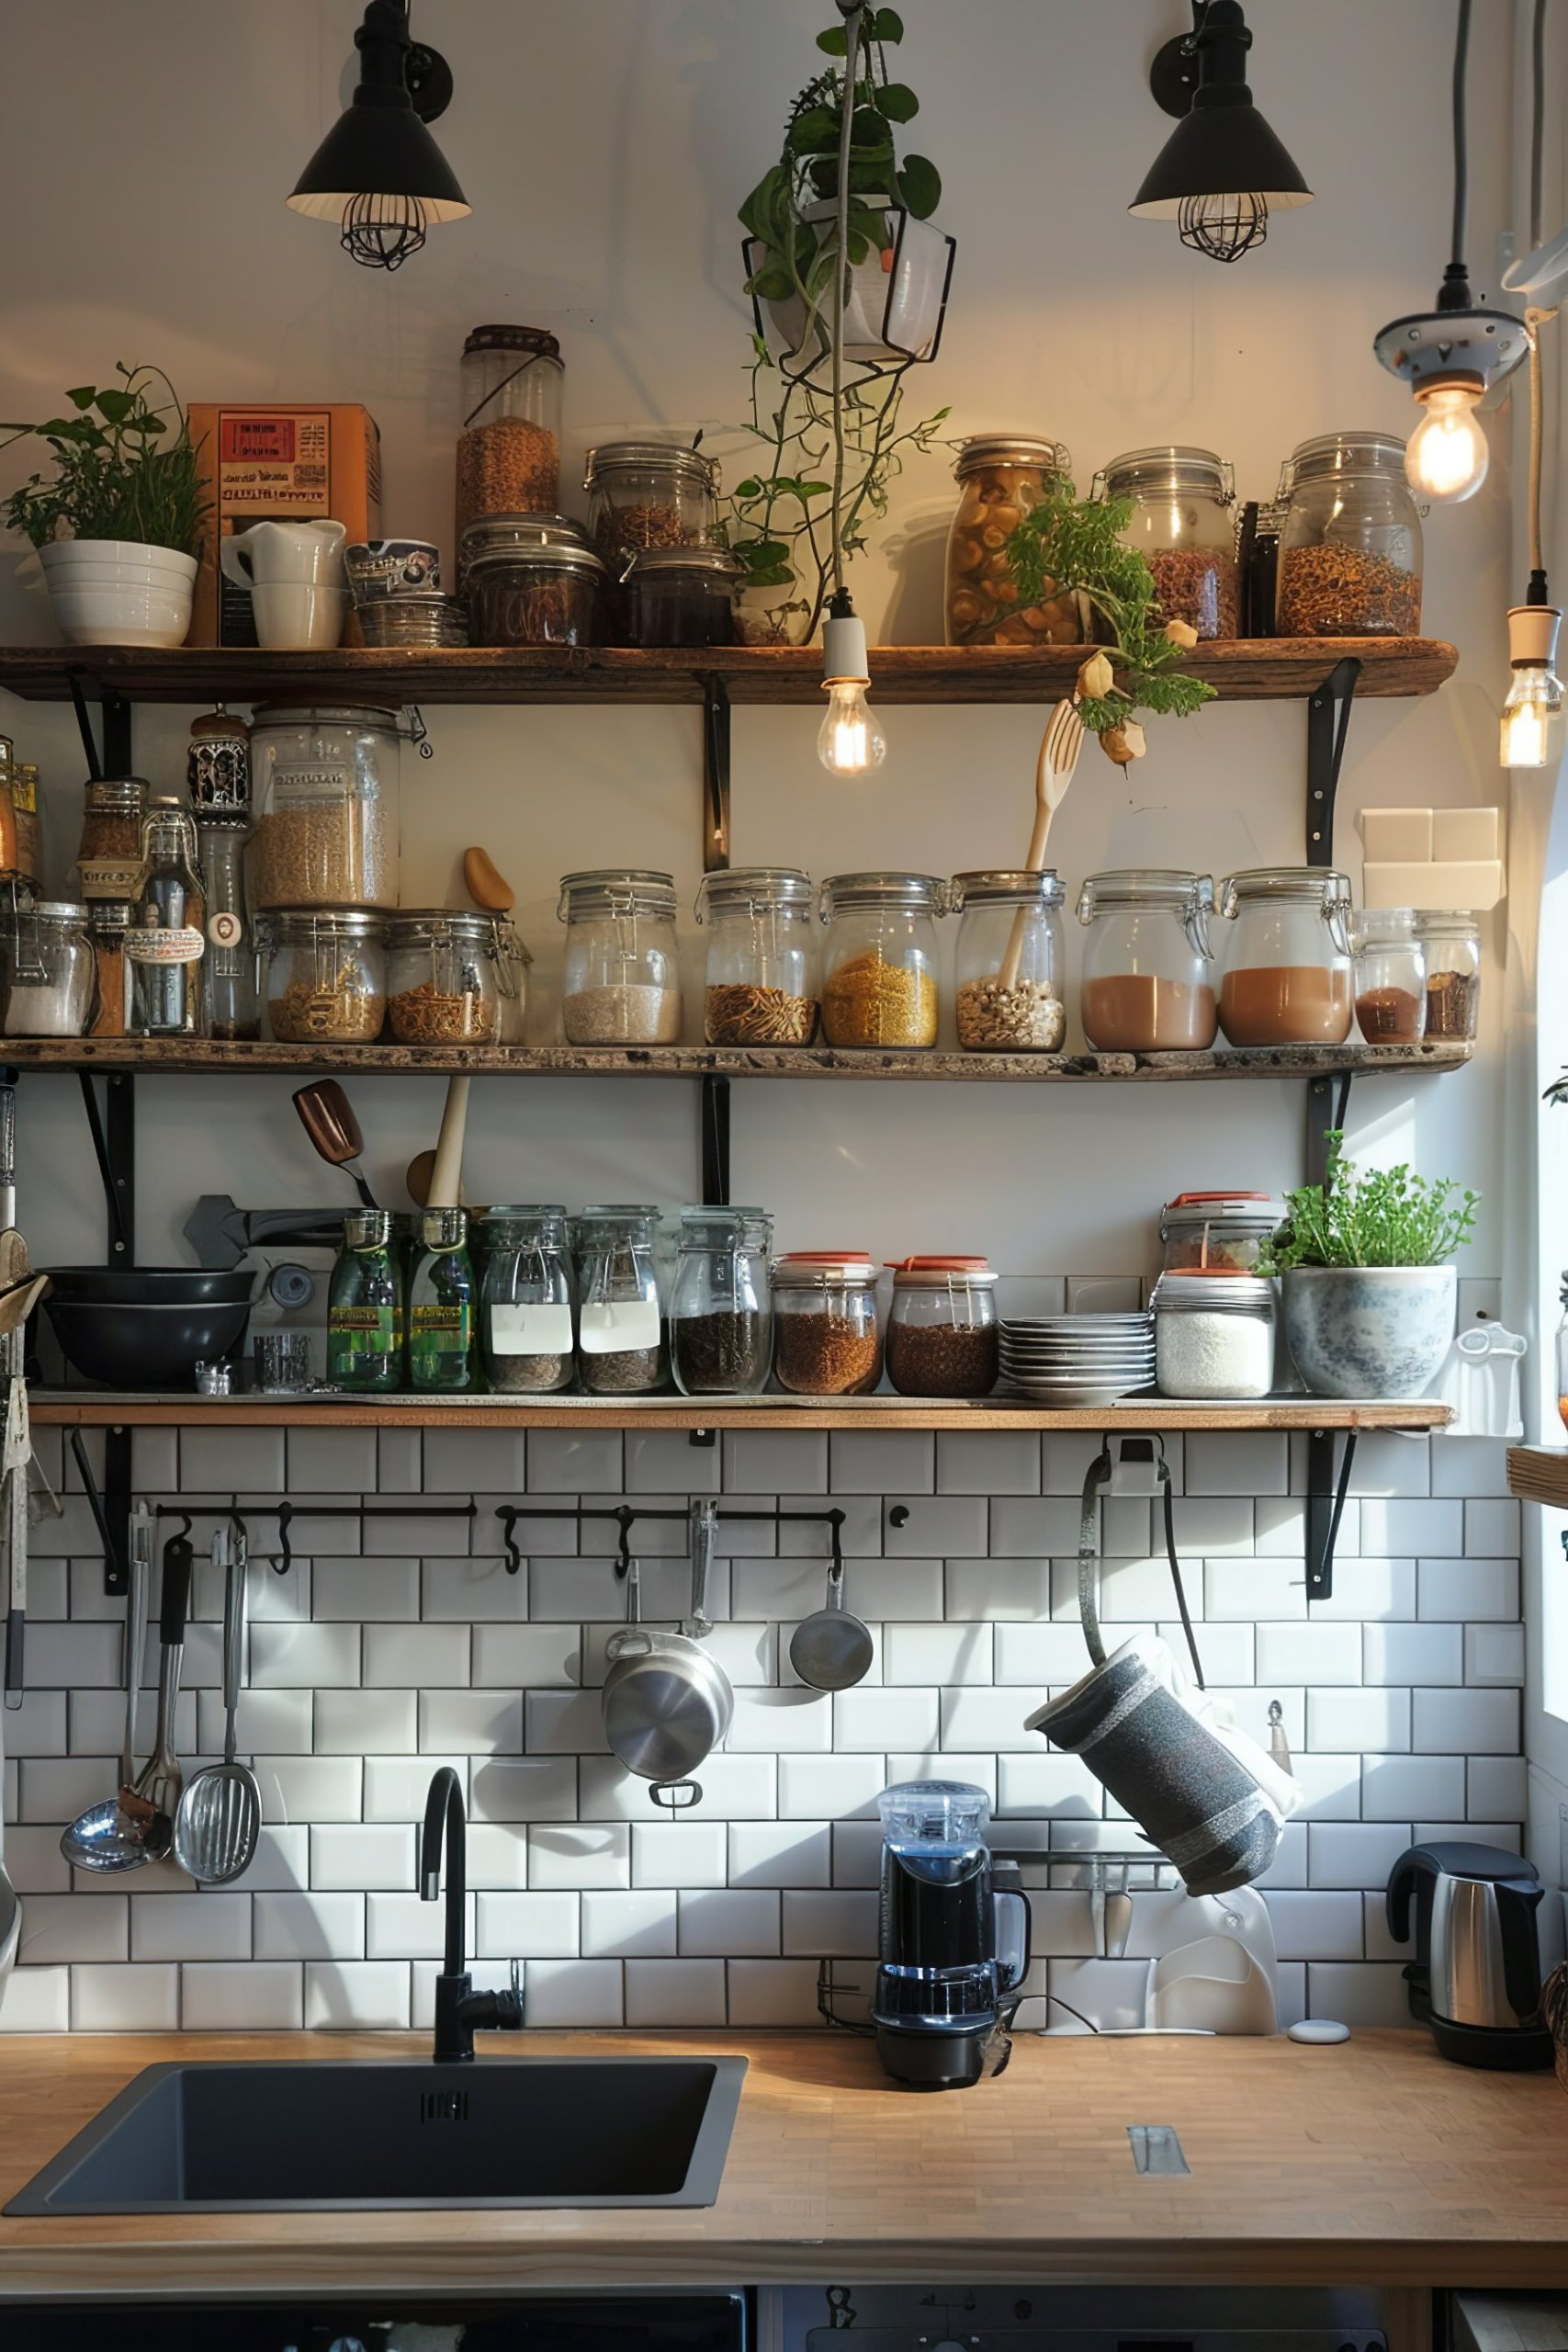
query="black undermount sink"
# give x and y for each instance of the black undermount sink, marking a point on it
(207, 2137)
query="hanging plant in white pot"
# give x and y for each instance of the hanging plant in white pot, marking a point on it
(118, 528)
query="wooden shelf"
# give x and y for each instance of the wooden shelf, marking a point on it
(1540, 1473)
(92, 1409)
(1245, 670)
(161, 1057)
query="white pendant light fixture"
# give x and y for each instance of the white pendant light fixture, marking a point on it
(1532, 729)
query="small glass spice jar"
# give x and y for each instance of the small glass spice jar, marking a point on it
(48, 970)
(721, 1312)
(622, 983)
(509, 438)
(1390, 976)
(675, 596)
(620, 1323)
(650, 494)
(1012, 961)
(108, 855)
(441, 1305)
(826, 1333)
(526, 1300)
(364, 1306)
(1180, 523)
(879, 960)
(1288, 975)
(1450, 948)
(942, 1337)
(531, 580)
(1148, 967)
(218, 767)
(1002, 476)
(1218, 1233)
(447, 977)
(326, 975)
(1350, 544)
(760, 987)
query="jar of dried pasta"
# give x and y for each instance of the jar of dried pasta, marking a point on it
(1000, 477)
(448, 977)
(650, 494)
(326, 975)
(879, 961)
(325, 783)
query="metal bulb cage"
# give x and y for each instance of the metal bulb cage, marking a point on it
(1224, 227)
(381, 232)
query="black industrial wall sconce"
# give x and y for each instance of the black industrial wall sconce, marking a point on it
(379, 172)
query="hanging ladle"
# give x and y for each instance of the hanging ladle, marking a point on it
(831, 1650)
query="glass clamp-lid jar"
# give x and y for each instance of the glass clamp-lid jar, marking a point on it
(1000, 477)
(1011, 959)
(828, 1338)
(447, 977)
(1214, 1339)
(942, 1327)
(761, 980)
(108, 855)
(531, 580)
(1390, 976)
(676, 595)
(364, 1306)
(879, 961)
(650, 494)
(1350, 544)
(621, 1336)
(721, 1313)
(1148, 970)
(1288, 975)
(326, 783)
(526, 1334)
(1218, 1233)
(622, 983)
(509, 440)
(1181, 524)
(326, 975)
(441, 1300)
(48, 968)
(1450, 949)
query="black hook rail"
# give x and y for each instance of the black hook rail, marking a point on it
(286, 1512)
(624, 1516)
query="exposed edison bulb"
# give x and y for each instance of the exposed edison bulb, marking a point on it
(1532, 720)
(849, 741)
(1447, 457)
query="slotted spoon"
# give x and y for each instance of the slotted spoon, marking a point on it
(218, 1821)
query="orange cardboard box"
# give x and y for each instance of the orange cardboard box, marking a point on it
(277, 461)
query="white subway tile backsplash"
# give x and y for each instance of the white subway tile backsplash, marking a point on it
(773, 1462)
(937, 1654)
(1047, 1784)
(411, 1657)
(1252, 1463)
(1469, 1467)
(324, 1462)
(190, 1926)
(1404, 1788)
(62, 1928)
(310, 1788)
(1412, 1654)
(675, 1992)
(466, 1592)
(821, 1787)
(771, 1992)
(249, 1996)
(783, 1722)
(988, 1720)
(1316, 1926)
(404, 1926)
(294, 1657)
(522, 1788)
(1394, 1528)
(38, 2000)
(948, 1527)
(358, 1723)
(578, 1854)
(1309, 1653)
(866, 1721)
(309, 1926)
(473, 1722)
(1468, 1591)
(1352, 1853)
(1495, 1653)
(830, 1927)
(272, 1723)
(1495, 1792)
(116, 1998)
(362, 1858)
(1018, 1589)
(1491, 1529)
(372, 1995)
(716, 1922)
(679, 1853)
(1358, 1993)
(1253, 1589)
(782, 1853)
(1346, 1721)
(882, 1461)
(1467, 1723)
(628, 1923)
(526, 1656)
(564, 1723)
(561, 1992)
(1003, 1463)
(532, 1926)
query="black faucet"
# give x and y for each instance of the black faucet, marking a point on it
(459, 2009)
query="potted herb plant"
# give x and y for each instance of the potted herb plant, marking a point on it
(1368, 1285)
(118, 526)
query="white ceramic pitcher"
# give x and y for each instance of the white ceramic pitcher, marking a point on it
(295, 574)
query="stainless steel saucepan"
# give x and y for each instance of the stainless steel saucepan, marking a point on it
(667, 1701)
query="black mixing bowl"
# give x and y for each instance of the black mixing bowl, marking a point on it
(147, 1326)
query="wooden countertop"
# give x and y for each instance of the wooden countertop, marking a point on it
(1374, 2163)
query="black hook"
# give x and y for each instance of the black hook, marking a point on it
(285, 1559)
(836, 1522)
(508, 1515)
(624, 1518)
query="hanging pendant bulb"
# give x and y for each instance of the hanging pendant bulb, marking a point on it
(849, 742)
(1532, 729)
(1447, 456)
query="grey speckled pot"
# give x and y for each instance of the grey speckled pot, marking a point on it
(1369, 1332)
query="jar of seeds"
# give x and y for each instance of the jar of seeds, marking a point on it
(621, 985)
(526, 1300)
(1451, 946)
(721, 1315)
(761, 959)
(1350, 544)
(1012, 957)
(325, 783)
(1180, 522)
(650, 494)
(941, 1329)
(621, 1338)
(879, 962)
(448, 975)
(326, 975)
(509, 441)
(828, 1338)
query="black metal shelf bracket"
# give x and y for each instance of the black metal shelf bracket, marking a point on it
(1328, 724)
(715, 774)
(716, 1142)
(1324, 1508)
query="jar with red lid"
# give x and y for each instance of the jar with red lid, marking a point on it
(943, 1338)
(827, 1336)
(1218, 1233)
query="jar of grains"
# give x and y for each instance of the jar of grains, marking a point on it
(326, 790)
(879, 962)
(509, 441)
(1214, 1339)
(1148, 967)
(721, 1310)
(762, 960)
(526, 1300)
(1390, 980)
(48, 970)
(622, 984)
(447, 977)
(828, 1341)
(108, 919)
(650, 494)
(1001, 476)
(620, 1336)
(108, 856)
(1288, 975)
(1180, 523)
(675, 596)
(1217, 1233)
(326, 975)
(1010, 962)
(531, 580)
(1350, 545)
(942, 1327)
(1450, 947)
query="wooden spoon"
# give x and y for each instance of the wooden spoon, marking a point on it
(1059, 750)
(486, 887)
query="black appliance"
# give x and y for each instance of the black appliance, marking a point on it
(1475, 1979)
(953, 1937)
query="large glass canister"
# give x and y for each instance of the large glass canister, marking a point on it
(1148, 966)
(364, 1306)
(448, 975)
(326, 971)
(1181, 524)
(1451, 950)
(48, 968)
(942, 1336)
(620, 1323)
(760, 983)
(1000, 477)
(1218, 1233)
(879, 961)
(509, 439)
(1012, 961)
(526, 1300)
(1390, 976)
(325, 782)
(1350, 544)
(1287, 971)
(721, 1313)
(622, 984)
(441, 1305)
(649, 494)
(827, 1330)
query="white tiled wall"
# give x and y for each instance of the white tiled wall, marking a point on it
(370, 1667)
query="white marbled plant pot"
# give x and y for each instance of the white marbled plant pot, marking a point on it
(1369, 1332)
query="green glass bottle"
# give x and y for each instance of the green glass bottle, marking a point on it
(364, 1308)
(442, 1293)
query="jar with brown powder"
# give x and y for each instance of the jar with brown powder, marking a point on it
(1148, 966)
(1288, 973)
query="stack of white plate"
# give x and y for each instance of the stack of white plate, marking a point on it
(1078, 1358)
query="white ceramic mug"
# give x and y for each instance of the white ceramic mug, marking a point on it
(295, 574)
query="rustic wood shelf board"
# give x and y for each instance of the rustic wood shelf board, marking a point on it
(1540, 1474)
(1245, 670)
(160, 1055)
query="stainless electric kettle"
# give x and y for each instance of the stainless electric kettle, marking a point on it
(1475, 1979)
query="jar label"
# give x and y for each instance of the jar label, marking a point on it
(225, 929)
(440, 1317)
(183, 945)
(541, 1331)
(110, 878)
(372, 1328)
(617, 1325)
(330, 780)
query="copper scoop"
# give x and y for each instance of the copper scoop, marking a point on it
(328, 1119)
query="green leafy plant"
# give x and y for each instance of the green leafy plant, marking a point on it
(1386, 1217)
(125, 469)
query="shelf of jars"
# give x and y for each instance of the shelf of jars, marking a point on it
(1240, 670)
(1538, 1473)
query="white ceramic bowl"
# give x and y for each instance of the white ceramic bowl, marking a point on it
(111, 592)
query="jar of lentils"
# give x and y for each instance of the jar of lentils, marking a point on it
(879, 961)
(762, 960)
(828, 1338)
(721, 1313)
(326, 975)
(447, 978)
(650, 494)
(1350, 545)
(1180, 522)
(1000, 477)
(942, 1328)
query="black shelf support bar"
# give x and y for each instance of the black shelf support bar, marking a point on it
(715, 774)
(1328, 1106)
(117, 758)
(1328, 724)
(716, 1142)
(1324, 1508)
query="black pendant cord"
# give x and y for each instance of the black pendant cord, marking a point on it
(1461, 145)
(1538, 117)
